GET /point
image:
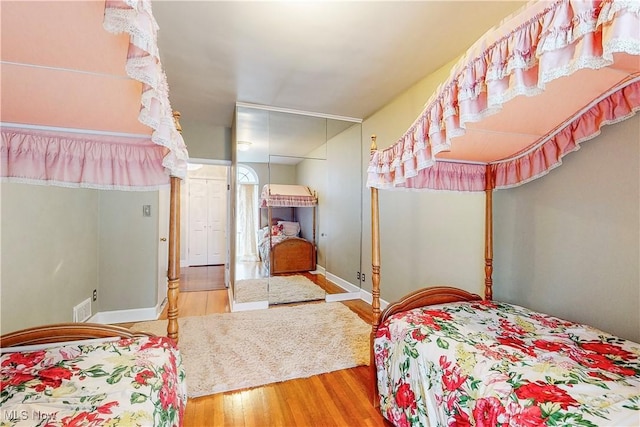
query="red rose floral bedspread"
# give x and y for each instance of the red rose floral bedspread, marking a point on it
(495, 364)
(122, 382)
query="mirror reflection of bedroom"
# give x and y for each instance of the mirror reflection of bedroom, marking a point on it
(297, 208)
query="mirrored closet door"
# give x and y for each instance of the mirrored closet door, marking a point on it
(297, 208)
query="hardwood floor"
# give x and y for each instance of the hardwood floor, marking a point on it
(202, 278)
(341, 398)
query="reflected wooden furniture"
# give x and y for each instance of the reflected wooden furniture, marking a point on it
(293, 255)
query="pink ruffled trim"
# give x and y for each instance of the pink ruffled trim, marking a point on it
(134, 17)
(554, 40)
(87, 161)
(548, 154)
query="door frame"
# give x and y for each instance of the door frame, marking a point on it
(164, 194)
(184, 217)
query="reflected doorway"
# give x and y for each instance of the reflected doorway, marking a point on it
(248, 263)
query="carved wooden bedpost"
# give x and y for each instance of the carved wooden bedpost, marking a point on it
(488, 233)
(375, 278)
(173, 271)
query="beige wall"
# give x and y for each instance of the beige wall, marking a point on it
(568, 243)
(342, 209)
(128, 250)
(49, 253)
(59, 244)
(205, 141)
(428, 238)
(313, 173)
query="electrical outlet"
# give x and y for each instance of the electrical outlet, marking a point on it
(95, 295)
(362, 277)
(358, 275)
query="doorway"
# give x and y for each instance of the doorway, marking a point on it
(207, 222)
(207, 206)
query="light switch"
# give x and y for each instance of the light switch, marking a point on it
(146, 210)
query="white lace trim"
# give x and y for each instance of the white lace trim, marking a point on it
(87, 185)
(446, 112)
(134, 17)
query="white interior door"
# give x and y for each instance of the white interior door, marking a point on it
(198, 217)
(207, 221)
(217, 235)
(163, 243)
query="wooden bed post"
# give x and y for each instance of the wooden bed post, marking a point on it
(173, 270)
(488, 234)
(375, 279)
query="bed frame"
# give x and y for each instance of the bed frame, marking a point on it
(62, 332)
(426, 296)
(294, 254)
(155, 359)
(173, 267)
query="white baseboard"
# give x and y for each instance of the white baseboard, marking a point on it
(184, 263)
(245, 306)
(345, 296)
(347, 286)
(127, 316)
(352, 292)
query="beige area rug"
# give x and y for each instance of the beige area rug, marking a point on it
(277, 290)
(231, 351)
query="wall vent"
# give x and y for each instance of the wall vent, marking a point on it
(82, 311)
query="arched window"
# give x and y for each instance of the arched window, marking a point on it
(246, 175)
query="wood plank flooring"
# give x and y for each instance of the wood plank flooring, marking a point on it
(341, 398)
(202, 278)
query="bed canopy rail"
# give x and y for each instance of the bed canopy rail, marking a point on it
(173, 266)
(120, 135)
(527, 93)
(499, 105)
(289, 196)
(446, 292)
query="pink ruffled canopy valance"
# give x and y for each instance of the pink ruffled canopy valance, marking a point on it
(72, 117)
(525, 95)
(287, 195)
(88, 161)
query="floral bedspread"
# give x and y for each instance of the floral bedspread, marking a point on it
(495, 364)
(127, 382)
(264, 248)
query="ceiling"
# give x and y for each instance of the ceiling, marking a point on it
(339, 58)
